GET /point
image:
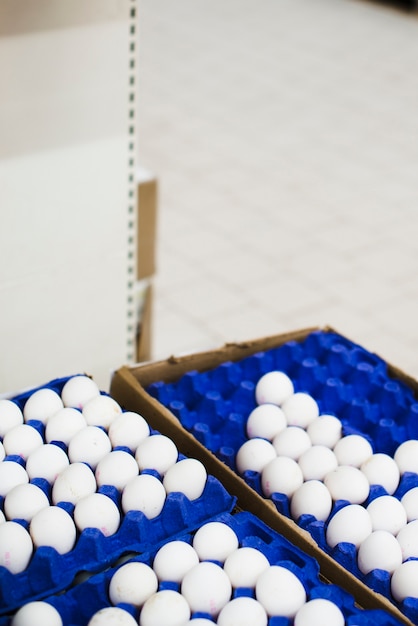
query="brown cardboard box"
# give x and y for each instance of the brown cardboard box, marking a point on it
(146, 223)
(144, 321)
(128, 387)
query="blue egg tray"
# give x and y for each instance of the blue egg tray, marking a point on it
(80, 602)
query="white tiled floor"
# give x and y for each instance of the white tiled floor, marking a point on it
(284, 135)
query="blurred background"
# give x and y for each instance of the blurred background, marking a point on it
(284, 137)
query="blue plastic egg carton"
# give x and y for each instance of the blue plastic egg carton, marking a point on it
(78, 605)
(50, 572)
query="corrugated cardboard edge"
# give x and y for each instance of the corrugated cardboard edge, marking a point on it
(128, 388)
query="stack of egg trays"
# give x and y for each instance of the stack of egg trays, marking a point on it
(79, 603)
(49, 572)
(344, 378)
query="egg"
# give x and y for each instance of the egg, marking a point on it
(64, 425)
(22, 440)
(408, 540)
(97, 511)
(117, 468)
(112, 616)
(387, 513)
(242, 611)
(381, 469)
(53, 527)
(11, 474)
(351, 524)
(73, 483)
(37, 613)
(311, 498)
(254, 454)
(133, 583)
(46, 462)
(280, 591)
(349, 483)
(10, 416)
(215, 541)
(144, 493)
(318, 612)
(300, 409)
(128, 429)
(409, 502)
(24, 501)
(292, 442)
(41, 405)
(15, 547)
(325, 430)
(316, 462)
(265, 421)
(244, 566)
(101, 411)
(165, 608)
(353, 450)
(406, 456)
(274, 388)
(78, 390)
(207, 588)
(187, 476)
(403, 583)
(89, 445)
(173, 560)
(380, 550)
(282, 475)
(2, 452)
(157, 452)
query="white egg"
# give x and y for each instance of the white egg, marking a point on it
(187, 476)
(273, 388)
(128, 430)
(101, 411)
(2, 518)
(22, 440)
(73, 483)
(353, 450)
(53, 527)
(316, 462)
(292, 442)
(2, 452)
(380, 550)
(254, 454)
(409, 502)
(281, 475)
(199, 621)
(318, 612)
(325, 430)
(133, 583)
(242, 611)
(117, 468)
(24, 501)
(11, 475)
(144, 493)
(244, 566)
(406, 456)
(387, 513)
(112, 616)
(381, 469)
(37, 613)
(265, 421)
(349, 483)
(215, 541)
(311, 498)
(15, 547)
(280, 591)
(173, 560)
(10, 416)
(41, 405)
(46, 462)
(351, 524)
(403, 583)
(165, 608)
(300, 409)
(207, 588)
(408, 540)
(156, 452)
(89, 445)
(97, 511)
(64, 425)
(78, 390)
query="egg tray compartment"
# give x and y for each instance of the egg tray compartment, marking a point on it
(80, 602)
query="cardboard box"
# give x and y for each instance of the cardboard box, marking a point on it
(147, 194)
(129, 388)
(144, 320)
